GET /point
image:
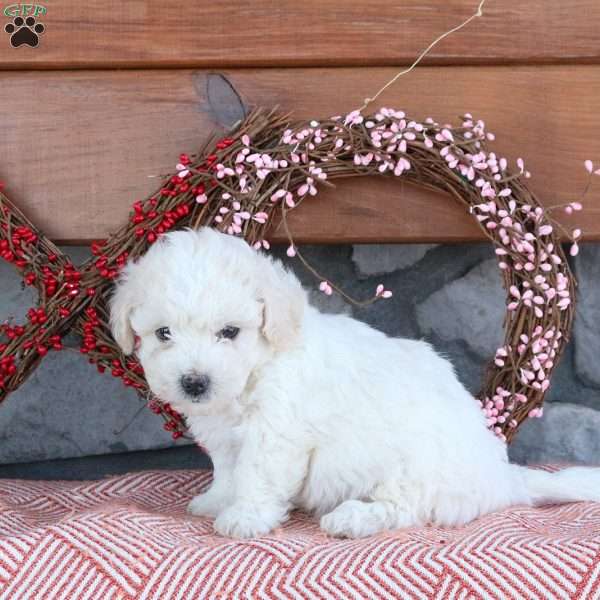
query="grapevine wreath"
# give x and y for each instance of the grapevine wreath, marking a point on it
(246, 183)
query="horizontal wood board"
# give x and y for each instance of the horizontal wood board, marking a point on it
(280, 33)
(77, 148)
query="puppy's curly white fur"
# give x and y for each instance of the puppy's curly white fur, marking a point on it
(302, 409)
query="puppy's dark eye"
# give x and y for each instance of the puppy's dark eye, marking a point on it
(163, 334)
(228, 333)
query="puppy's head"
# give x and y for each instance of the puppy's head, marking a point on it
(208, 311)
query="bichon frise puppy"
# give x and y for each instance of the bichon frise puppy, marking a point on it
(299, 409)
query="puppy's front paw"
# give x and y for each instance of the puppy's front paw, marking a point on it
(207, 504)
(245, 521)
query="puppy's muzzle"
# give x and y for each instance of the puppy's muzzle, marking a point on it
(195, 386)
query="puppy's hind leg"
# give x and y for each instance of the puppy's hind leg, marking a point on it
(358, 518)
(389, 506)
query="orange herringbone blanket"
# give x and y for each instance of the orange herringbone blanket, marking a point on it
(130, 537)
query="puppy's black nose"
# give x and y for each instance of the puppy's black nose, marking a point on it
(195, 385)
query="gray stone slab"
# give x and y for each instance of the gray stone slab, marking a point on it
(333, 304)
(567, 433)
(378, 259)
(67, 409)
(14, 298)
(334, 265)
(452, 295)
(587, 321)
(470, 309)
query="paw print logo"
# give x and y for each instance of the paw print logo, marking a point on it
(24, 31)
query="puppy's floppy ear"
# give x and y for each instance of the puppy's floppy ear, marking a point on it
(284, 303)
(121, 305)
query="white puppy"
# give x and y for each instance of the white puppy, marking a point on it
(302, 409)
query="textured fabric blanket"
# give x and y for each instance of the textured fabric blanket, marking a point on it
(129, 537)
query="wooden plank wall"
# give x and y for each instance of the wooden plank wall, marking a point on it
(115, 91)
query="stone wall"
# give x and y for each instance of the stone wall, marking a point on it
(449, 295)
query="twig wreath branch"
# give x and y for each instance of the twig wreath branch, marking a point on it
(246, 183)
